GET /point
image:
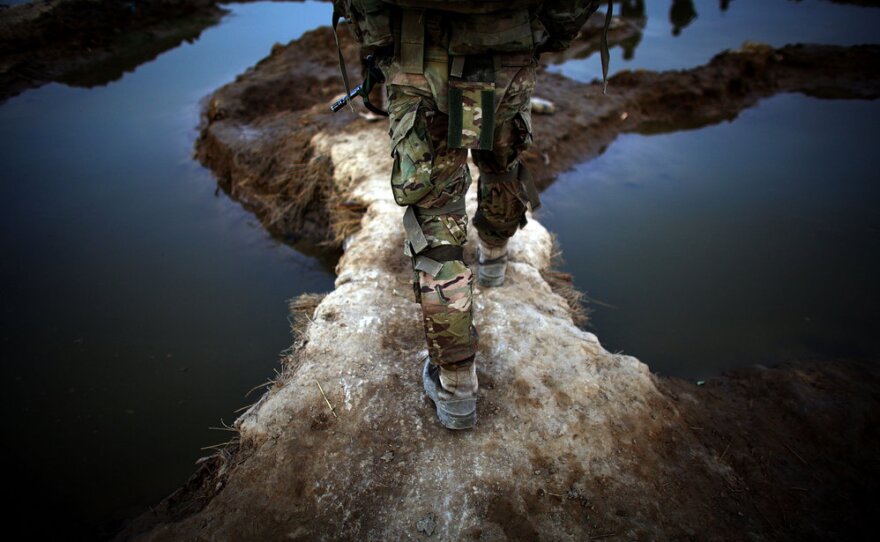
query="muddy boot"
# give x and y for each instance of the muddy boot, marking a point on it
(492, 264)
(454, 392)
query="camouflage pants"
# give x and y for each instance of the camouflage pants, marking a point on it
(429, 175)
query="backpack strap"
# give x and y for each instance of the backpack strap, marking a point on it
(412, 41)
(336, 16)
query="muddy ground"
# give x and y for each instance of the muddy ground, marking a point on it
(574, 442)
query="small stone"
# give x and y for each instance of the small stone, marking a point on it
(427, 525)
(387, 456)
(540, 106)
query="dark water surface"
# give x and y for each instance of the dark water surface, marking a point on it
(750, 242)
(756, 241)
(682, 34)
(138, 305)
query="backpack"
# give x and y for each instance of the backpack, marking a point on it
(559, 20)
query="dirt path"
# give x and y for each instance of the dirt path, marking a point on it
(573, 442)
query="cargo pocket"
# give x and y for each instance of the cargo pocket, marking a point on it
(413, 155)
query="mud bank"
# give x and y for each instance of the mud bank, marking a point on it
(573, 442)
(92, 42)
(257, 131)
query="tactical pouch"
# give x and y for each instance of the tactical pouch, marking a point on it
(372, 20)
(471, 114)
(491, 33)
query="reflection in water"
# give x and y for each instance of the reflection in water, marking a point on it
(632, 10)
(694, 39)
(681, 14)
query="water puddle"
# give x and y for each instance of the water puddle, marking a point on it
(138, 305)
(755, 241)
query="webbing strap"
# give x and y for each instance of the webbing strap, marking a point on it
(412, 41)
(452, 208)
(444, 253)
(336, 17)
(454, 99)
(414, 234)
(487, 128)
(428, 265)
(457, 69)
(603, 48)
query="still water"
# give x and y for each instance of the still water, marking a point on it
(138, 305)
(756, 241)
(682, 34)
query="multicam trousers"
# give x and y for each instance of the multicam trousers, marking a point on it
(430, 176)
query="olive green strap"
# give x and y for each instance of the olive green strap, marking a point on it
(457, 67)
(428, 265)
(456, 120)
(412, 41)
(416, 239)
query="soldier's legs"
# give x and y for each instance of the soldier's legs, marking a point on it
(501, 194)
(432, 180)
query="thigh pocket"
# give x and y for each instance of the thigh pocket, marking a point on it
(413, 156)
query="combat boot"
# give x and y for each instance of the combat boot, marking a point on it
(454, 392)
(492, 264)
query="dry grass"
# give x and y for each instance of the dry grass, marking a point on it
(563, 284)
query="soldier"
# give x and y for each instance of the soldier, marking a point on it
(459, 76)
